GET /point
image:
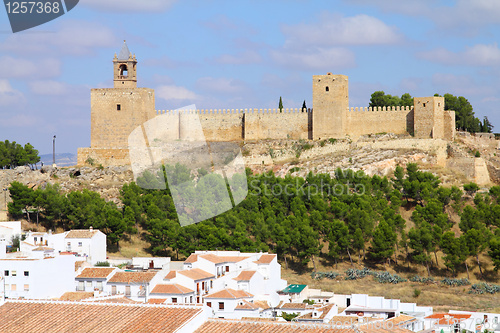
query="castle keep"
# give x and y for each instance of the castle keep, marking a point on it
(116, 112)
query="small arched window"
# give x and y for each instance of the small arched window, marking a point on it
(327, 89)
(123, 70)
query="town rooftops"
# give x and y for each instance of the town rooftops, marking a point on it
(324, 311)
(402, 319)
(171, 289)
(246, 305)
(229, 293)
(265, 259)
(294, 289)
(170, 275)
(245, 275)
(76, 295)
(77, 317)
(295, 306)
(196, 274)
(82, 233)
(95, 273)
(132, 277)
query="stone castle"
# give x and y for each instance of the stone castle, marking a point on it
(117, 111)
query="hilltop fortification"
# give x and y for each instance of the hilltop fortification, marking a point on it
(116, 112)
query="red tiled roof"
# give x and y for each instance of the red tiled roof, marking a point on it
(192, 258)
(266, 259)
(229, 293)
(401, 319)
(245, 305)
(448, 318)
(55, 317)
(227, 326)
(301, 306)
(85, 233)
(157, 300)
(324, 311)
(245, 276)
(95, 273)
(76, 295)
(132, 277)
(196, 274)
(171, 289)
(222, 259)
(170, 275)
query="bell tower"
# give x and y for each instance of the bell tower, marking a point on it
(125, 69)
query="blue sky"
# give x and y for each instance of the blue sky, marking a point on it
(243, 54)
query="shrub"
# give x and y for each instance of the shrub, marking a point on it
(102, 264)
(332, 141)
(416, 292)
(455, 282)
(477, 154)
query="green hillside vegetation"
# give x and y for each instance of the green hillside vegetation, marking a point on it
(339, 219)
(12, 155)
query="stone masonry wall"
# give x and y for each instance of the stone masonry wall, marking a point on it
(289, 124)
(449, 125)
(362, 121)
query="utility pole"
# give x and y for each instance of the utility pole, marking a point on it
(54, 151)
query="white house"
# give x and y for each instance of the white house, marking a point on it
(94, 278)
(224, 302)
(202, 282)
(151, 263)
(173, 294)
(482, 320)
(8, 230)
(87, 244)
(38, 278)
(449, 323)
(134, 285)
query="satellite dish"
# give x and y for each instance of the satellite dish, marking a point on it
(274, 300)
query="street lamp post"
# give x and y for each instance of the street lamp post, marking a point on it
(54, 151)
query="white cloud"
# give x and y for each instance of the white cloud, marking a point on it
(49, 87)
(463, 85)
(172, 92)
(477, 55)
(334, 29)
(153, 6)
(74, 37)
(9, 96)
(241, 58)
(21, 68)
(220, 85)
(315, 59)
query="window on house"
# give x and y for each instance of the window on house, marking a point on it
(35, 238)
(14, 273)
(221, 305)
(26, 273)
(5, 273)
(13, 287)
(198, 299)
(7, 287)
(26, 287)
(113, 290)
(89, 284)
(80, 244)
(81, 286)
(190, 299)
(174, 299)
(209, 304)
(203, 285)
(127, 291)
(118, 106)
(227, 268)
(99, 285)
(211, 284)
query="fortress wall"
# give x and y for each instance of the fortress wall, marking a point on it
(449, 125)
(272, 124)
(111, 127)
(104, 156)
(362, 121)
(225, 125)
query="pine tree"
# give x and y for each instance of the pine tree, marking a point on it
(304, 107)
(281, 105)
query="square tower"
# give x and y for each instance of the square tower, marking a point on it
(330, 103)
(429, 117)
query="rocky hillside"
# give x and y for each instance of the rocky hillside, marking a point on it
(454, 162)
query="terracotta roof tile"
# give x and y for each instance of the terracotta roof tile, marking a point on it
(324, 311)
(95, 273)
(229, 293)
(52, 317)
(301, 306)
(76, 295)
(79, 264)
(132, 277)
(85, 233)
(170, 275)
(448, 318)
(196, 274)
(227, 326)
(171, 289)
(222, 259)
(245, 276)
(192, 258)
(266, 259)
(245, 305)
(157, 300)
(401, 319)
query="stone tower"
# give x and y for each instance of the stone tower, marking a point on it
(125, 69)
(116, 112)
(330, 103)
(429, 117)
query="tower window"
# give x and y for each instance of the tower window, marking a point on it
(118, 107)
(123, 70)
(424, 105)
(327, 89)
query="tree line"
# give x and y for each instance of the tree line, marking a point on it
(336, 217)
(465, 118)
(13, 155)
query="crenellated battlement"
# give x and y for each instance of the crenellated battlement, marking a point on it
(382, 109)
(234, 111)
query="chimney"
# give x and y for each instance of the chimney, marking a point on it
(91, 229)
